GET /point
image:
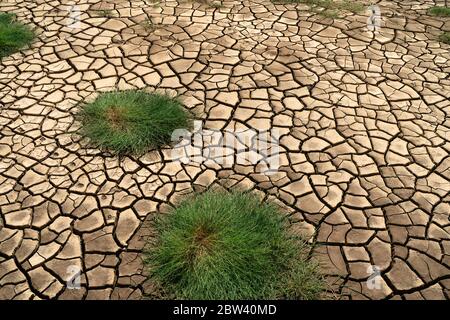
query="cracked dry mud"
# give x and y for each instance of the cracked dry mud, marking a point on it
(365, 164)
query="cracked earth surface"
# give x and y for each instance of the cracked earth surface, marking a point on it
(365, 164)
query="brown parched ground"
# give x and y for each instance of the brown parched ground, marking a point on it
(365, 163)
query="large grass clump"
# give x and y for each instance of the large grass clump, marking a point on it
(13, 35)
(440, 11)
(220, 245)
(132, 121)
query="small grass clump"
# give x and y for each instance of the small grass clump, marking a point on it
(445, 37)
(13, 35)
(220, 245)
(132, 121)
(148, 25)
(211, 3)
(216, 4)
(329, 8)
(440, 11)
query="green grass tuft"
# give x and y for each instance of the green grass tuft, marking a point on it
(132, 121)
(445, 37)
(220, 245)
(13, 35)
(440, 11)
(148, 25)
